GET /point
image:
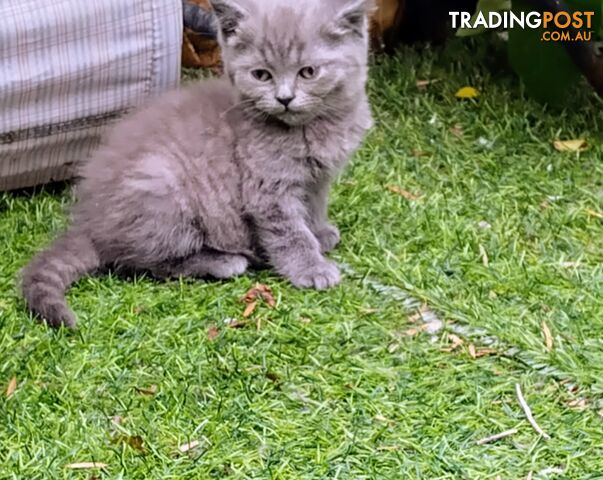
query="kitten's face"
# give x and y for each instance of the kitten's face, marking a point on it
(295, 63)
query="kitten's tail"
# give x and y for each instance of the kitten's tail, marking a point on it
(51, 272)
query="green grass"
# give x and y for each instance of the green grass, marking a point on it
(329, 385)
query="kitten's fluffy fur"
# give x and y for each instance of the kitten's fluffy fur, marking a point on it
(211, 179)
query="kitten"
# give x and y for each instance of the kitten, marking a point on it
(227, 173)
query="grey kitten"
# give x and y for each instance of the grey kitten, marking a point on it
(228, 173)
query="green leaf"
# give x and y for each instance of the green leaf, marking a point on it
(544, 67)
(591, 6)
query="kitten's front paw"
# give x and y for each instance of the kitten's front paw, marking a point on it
(320, 276)
(328, 237)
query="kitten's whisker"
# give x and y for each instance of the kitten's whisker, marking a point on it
(236, 105)
(256, 114)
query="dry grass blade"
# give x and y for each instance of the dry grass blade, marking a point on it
(11, 387)
(456, 342)
(212, 333)
(419, 314)
(578, 404)
(403, 193)
(425, 83)
(419, 153)
(578, 145)
(388, 448)
(457, 131)
(382, 419)
(528, 412)
(150, 391)
(135, 442)
(472, 351)
(484, 254)
(250, 309)
(187, 447)
(268, 297)
(485, 352)
(497, 436)
(411, 332)
(86, 466)
(548, 338)
(260, 291)
(234, 323)
(593, 213)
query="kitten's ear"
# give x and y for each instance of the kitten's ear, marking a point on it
(230, 13)
(352, 17)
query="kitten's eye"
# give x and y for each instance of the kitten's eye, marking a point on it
(261, 75)
(307, 73)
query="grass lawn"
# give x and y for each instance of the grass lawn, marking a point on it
(486, 226)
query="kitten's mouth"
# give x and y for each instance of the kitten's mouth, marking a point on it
(287, 115)
(293, 117)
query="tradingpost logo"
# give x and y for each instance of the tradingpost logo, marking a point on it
(557, 26)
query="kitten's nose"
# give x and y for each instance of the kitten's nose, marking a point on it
(285, 100)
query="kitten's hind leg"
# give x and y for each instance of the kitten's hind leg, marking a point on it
(206, 263)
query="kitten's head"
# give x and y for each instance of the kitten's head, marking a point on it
(295, 60)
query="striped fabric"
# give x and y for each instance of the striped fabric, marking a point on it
(70, 67)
